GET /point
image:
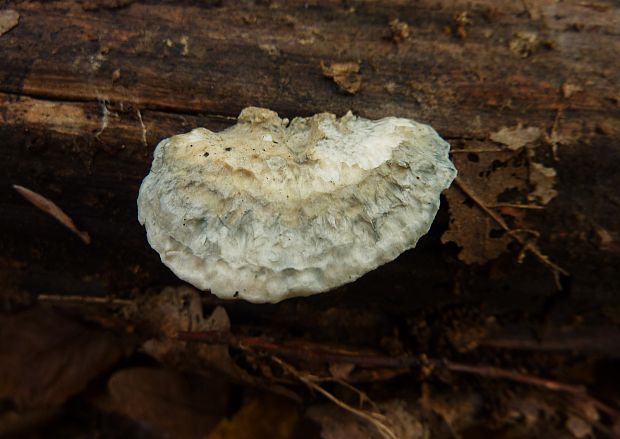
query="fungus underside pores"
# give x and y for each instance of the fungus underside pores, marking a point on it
(266, 209)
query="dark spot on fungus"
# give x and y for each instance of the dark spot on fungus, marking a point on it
(206, 154)
(236, 294)
(227, 149)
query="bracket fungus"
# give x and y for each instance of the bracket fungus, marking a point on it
(270, 209)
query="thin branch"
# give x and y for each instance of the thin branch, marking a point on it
(84, 299)
(144, 142)
(518, 206)
(556, 386)
(327, 355)
(363, 397)
(52, 209)
(306, 351)
(499, 220)
(374, 418)
(495, 372)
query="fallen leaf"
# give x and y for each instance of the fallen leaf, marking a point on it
(517, 137)
(341, 370)
(489, 175)
(177, 405)
(604, 238)
(404, 420)
(578, 427)
(263, 417)
(14, 422)
(543, 180)
(529, 410)
(49, 207)
(345, 75)
(8, 20)
(46, 358)
(180, 309)
(458, 410)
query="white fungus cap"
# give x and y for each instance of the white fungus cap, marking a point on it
(266, 209)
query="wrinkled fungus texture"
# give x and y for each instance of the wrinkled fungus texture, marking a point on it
(266, 209)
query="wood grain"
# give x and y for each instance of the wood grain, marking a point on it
(87, 91)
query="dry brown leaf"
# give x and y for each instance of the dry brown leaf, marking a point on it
(543, 180)
(346, 75)
(14, 422)
(49, 207)
(180, 309)
(489, 175)
(264, 417)
(8, 20)
(46, 358)
(176, 405)
(578, 427)
(517, 137)
(341, 371)
(458, 410)
(336, 423)
(529, 410)
(580, 424)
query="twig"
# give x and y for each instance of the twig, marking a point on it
(499, 220)
(557, 386)
(51, 208)
(517, 206)
(374, 418)
(363, 397)
(308, 352)
(495, 372)
(83, 299)
(534, 233)
(105, 116)
(144, 142)
(326, 355)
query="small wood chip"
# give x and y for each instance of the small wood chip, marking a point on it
(52, 209)
(346, 75)
(400, 30)
(8, 20)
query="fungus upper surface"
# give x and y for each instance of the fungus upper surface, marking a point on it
(268, 209)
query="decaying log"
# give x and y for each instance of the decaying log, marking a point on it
(87, 91)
